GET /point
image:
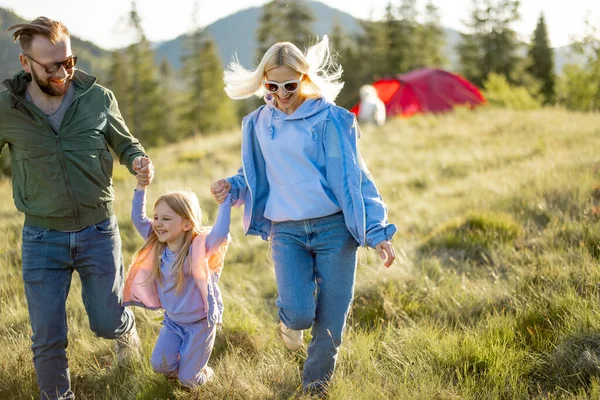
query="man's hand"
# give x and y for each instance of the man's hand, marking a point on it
(219, 190)
(387, 252)
(144, 171)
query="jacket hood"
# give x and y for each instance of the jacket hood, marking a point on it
(307, 109)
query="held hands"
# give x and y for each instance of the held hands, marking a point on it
(144, 171)
(387, 252)
(219, 190)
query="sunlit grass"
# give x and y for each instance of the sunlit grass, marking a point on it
(495, 294)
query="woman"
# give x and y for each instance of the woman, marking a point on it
(306, 189)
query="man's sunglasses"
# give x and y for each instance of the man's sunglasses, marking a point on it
(53, 67)
(289, 86)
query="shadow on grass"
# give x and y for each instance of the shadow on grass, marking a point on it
(470, 238)
(574, 365)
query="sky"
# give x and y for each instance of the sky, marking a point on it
(101, 22)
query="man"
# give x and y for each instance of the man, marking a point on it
(59, 124)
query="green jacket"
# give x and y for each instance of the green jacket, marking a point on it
(63, 180)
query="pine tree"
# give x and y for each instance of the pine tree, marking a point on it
(491, 44)
(145, 100)
(168, 124)
(283, 21)
(581, 84)
(343, 49)
(192, 76)
(407, 36)
(205, 106)
(541, 58)
(118, 82)
(269, 28)
(393, 40)
(216, 107)
(299, 20)
(430, 39)
(372, 53)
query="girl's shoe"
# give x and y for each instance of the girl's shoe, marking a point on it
(209, 373)
(291, 339)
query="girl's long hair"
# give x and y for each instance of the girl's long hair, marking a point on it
(186, 205)
(321, 74)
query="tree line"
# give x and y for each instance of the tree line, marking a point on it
(161, 105)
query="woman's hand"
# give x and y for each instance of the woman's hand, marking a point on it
(219, 190)
(387, 252)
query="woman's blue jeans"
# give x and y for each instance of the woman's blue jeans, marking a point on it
(49, 259)
(315, 268)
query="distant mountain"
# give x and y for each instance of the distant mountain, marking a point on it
(236, 34)
(91, 58)
(564, 55)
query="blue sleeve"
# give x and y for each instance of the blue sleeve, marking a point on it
(142, 223)
(220, 230)
(238, 188)
(377, 226)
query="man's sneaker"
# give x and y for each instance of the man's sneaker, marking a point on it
(127, 346)
(291, 339)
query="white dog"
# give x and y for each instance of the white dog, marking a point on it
(372, 109)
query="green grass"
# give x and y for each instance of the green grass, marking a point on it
(495, 294)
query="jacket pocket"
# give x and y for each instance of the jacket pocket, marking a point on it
(90, 173)
(38, 184)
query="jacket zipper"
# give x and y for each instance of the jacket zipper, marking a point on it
(362, 202)
(248, 186)
(62, 163)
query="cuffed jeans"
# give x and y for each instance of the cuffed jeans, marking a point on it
(315, 268)
(49, 259)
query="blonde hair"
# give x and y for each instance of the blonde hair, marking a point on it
(321, 73)
(50, 29)
(186, 205)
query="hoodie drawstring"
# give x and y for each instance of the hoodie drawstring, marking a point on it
(311, 129)
(271, 128)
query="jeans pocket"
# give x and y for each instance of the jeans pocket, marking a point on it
(108, 226)
(32, 233)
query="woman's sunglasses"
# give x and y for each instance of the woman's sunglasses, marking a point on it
(53, 67)
(290, 86)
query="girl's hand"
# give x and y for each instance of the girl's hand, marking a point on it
(144, 171)
(219, 190)
(387, 252)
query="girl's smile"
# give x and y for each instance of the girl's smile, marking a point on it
(170, 227)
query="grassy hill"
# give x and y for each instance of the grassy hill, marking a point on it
(495, 295)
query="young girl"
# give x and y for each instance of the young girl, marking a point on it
(177, 269)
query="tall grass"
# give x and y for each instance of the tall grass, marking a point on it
(495, 294)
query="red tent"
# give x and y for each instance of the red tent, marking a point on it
(425, 90)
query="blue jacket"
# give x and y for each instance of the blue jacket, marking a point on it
(348, 177)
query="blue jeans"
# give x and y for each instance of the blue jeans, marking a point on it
(315, 268)
(49, 259)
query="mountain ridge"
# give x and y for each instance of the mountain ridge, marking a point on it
(235, 35)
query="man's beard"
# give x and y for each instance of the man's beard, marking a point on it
(46, 86)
